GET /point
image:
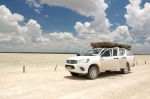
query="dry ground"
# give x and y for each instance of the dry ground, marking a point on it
(41, 81)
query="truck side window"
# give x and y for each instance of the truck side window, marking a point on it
(107, 53)
(114, 52)
(129, 53)
(121, 52)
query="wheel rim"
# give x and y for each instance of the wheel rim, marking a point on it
(93, 73)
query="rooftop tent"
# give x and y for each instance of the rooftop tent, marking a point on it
(109, 45)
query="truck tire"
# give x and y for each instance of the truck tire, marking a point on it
(74, 74)
(125, 70)
(93, 73)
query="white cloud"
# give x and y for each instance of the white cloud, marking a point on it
(60, 36)
(141, 48)
(147, 39)
(138, 18)
(46, 16)
(36, 4)
(84, 28)
(9, 20)
(13, 33)
(17, 17)
(118, 24)
(146, 44)
(33, 30)
(123, 33)
(9, 28)
(43, 40)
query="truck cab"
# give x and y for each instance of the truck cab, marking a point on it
(93, 61)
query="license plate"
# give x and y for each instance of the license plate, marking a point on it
(69, 68)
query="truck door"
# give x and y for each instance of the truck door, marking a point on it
(109, 59)
(122, 58)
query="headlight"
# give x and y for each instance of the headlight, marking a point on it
(82, 61)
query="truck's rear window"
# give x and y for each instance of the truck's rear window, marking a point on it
(129, 53)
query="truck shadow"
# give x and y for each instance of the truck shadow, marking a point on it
(103, 75)
(80, 77)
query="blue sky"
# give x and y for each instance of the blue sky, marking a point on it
(67, 26)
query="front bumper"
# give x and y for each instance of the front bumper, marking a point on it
(77, 68)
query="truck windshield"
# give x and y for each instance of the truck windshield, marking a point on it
(92, 52)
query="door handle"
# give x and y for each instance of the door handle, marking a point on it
(123, 57)
(115, 58)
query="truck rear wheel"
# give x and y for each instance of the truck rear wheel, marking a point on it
(92, 73)
(74, 74)
(125, 70)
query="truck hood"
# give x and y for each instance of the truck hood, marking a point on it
(80, 57)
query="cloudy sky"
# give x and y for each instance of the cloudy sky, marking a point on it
(70, 25)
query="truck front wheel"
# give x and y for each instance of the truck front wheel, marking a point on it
(92, 73)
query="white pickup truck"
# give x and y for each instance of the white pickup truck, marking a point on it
(96, 60)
